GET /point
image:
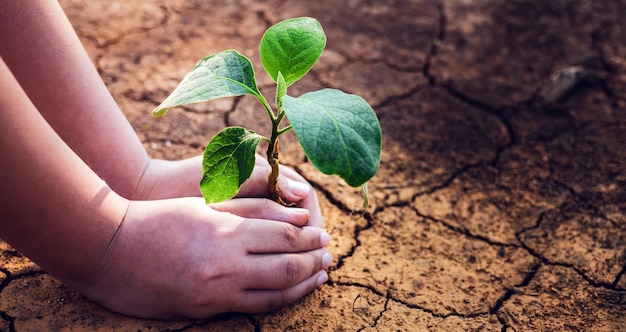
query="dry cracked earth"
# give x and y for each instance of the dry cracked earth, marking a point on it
(500, 204)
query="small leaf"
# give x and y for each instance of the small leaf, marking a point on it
(281, 90)
(228, 162)
(339, 133)
(292, 47)
(226, 74)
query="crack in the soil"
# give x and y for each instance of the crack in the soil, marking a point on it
(499, 149)
(585, 203)
(397, 98)
(425, 68)
(596, 284)
(440, 36)
(442, 185)
(509, 293)
(390, 297)
(618, 277)
(464, 231)
(10, 319)
(3, 315)
(380, 314)
(255, 323)
(544, 260)
(5, 282)
(525, 282)
(10, 277)
(497, 112)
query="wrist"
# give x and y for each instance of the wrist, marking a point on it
(90, 244)
(162, 179)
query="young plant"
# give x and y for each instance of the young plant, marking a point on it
(339, 132)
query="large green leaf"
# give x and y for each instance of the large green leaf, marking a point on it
(292, 47)
(228, 162)
(226, 74)
(339, 133)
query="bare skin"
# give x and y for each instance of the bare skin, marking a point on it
(81, 197)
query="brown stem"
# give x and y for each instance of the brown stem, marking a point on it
(272, 158)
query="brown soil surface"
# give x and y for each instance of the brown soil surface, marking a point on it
(500, 204)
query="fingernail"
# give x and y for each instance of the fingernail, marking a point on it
(327, 259)
(324, 239)
(298, 188)
(322, 279)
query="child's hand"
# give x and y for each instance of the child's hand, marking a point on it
(170, 179)
(181, 258)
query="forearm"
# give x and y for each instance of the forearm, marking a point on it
(53, 208)
(45, 55)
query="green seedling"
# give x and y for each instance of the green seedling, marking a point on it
(339, 132)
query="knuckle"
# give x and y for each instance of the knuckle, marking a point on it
(291, 270)
(290, 236)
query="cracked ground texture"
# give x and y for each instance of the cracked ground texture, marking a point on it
(498, 206)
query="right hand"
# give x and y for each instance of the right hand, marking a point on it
(180, 258)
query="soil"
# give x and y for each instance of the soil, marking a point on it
(500, 204)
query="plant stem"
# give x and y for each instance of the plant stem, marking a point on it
(272, 158)
(272, 149)
(284, 130)
(268, 108)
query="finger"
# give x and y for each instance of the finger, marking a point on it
(308, 201)
(256, 301)
(293, 187)
(312, 205)
(268, 237)
(281, 271)
(261, 208)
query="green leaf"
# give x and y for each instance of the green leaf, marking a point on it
(228, 162)
(226, 74)
(281, 90)
(339, 133)
(292, 47)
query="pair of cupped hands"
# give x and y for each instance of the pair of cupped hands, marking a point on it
(181, 258)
